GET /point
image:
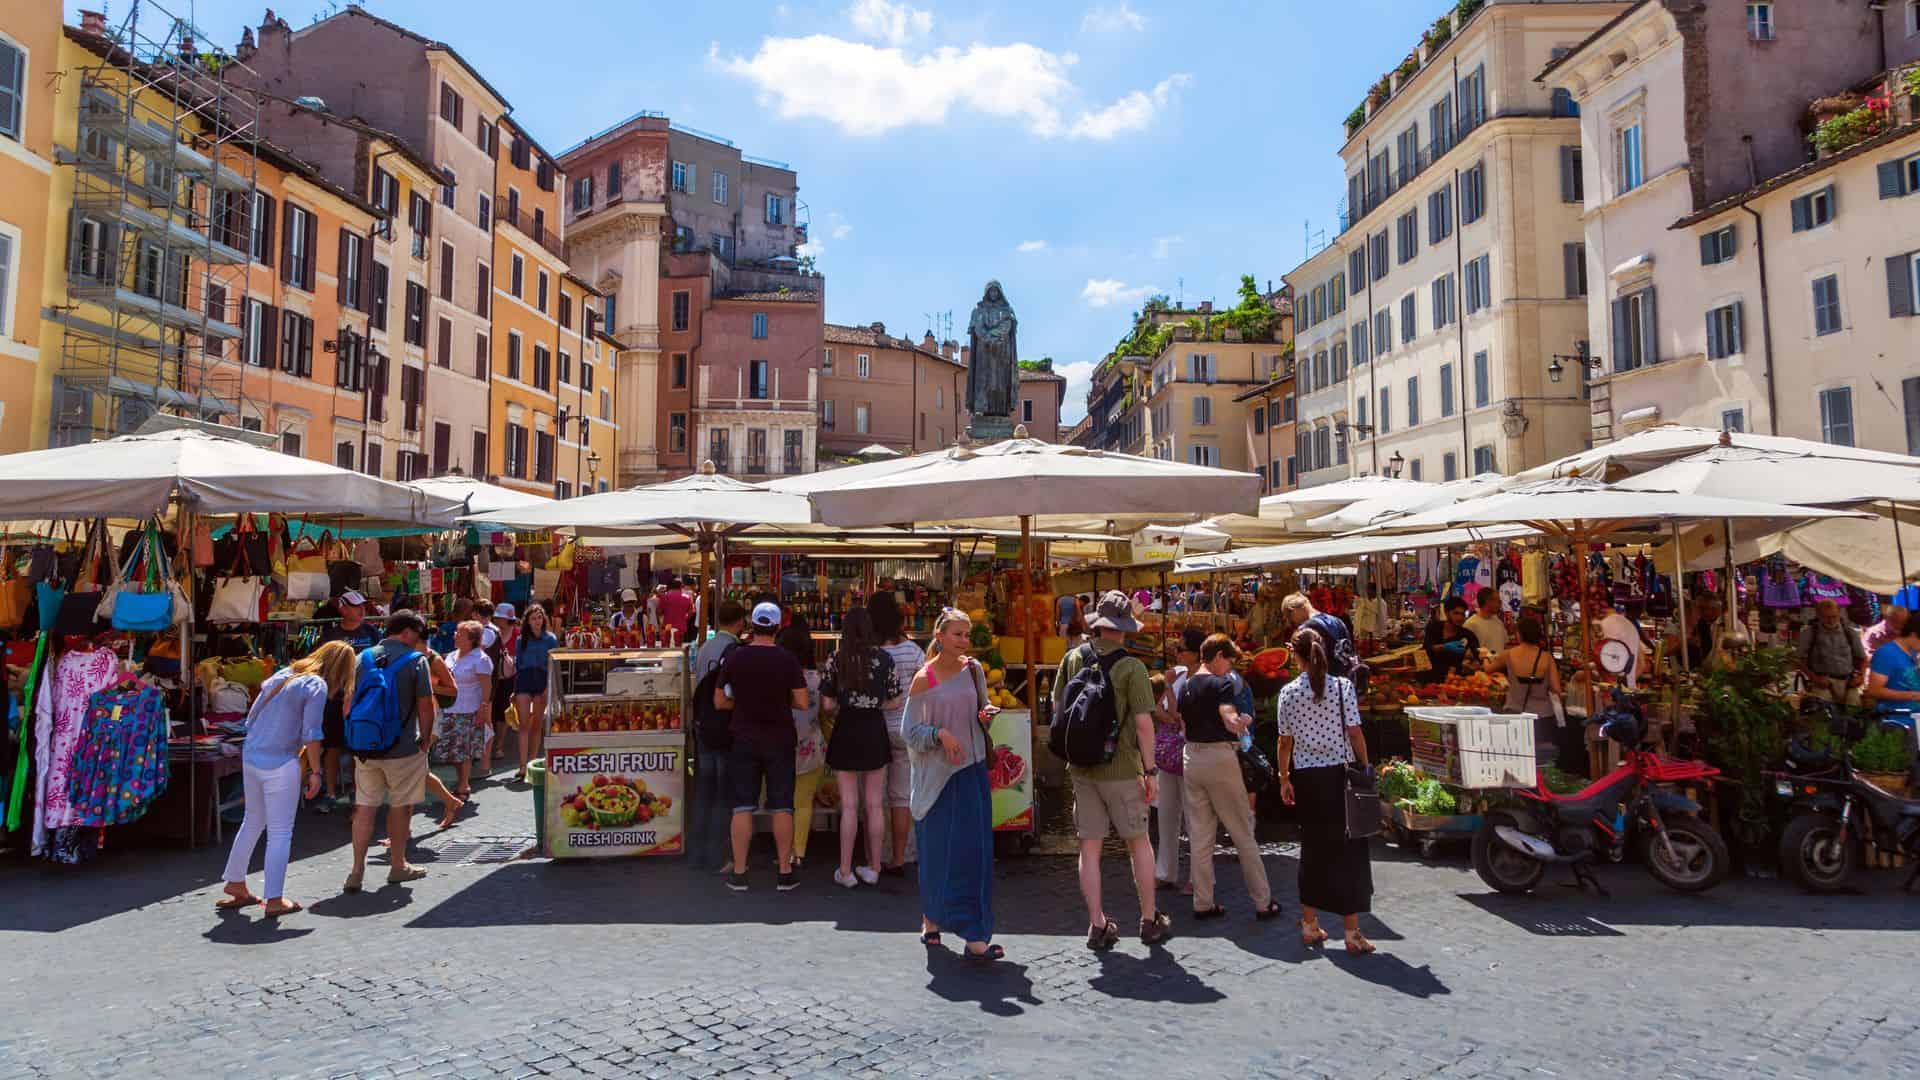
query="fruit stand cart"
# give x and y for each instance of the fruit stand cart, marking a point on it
(616, 753)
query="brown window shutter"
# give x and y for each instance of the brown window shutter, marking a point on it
(269, 335)
(340, 271)
(313, 240)
(266, 229)
(289, 273)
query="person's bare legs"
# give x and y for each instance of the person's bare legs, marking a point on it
(399, 833)
(362, 839)
(523, 704)
(448, 800)
(783, 838)
(537, 733)
(1140, 851)
(464, 778)
(1090, 883)
(330, 773)
(902, 829)
(849, 784)
(1356, 941)
(875, 784)
(742, 829)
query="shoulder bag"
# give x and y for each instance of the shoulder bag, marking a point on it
(16, 593)
(1363, 798)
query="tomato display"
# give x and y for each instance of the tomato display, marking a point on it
(618, 716)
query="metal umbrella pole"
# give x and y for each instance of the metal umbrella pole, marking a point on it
(1026, 618)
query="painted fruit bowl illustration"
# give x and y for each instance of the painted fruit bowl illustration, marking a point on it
(611, 804)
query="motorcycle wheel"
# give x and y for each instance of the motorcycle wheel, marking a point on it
(1502, 868)
(1812, 855)
(1701, 856)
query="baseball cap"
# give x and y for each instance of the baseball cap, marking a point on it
(766, 616)
(353, 598)
(628, 596)
(505, 611)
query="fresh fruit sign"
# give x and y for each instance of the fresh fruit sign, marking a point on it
(616, 800)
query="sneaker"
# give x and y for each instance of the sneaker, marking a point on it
(845, 880)
(789, 881)
(737, 882)
(866, 875)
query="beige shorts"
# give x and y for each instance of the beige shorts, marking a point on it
(899, 778)
(1103, 805)
(393, 781)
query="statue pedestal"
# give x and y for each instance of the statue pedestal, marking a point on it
(986, 429)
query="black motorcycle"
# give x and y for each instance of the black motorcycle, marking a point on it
(1836, 809)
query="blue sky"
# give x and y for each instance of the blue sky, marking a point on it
(1084, 152)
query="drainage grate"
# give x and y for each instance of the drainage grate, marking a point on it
(476, 850)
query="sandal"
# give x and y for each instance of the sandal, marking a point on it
(1271, 911)
(292, 906)
(1214, 912)
(931, 937)
(989, 954)
(1102, 938)
(1157, 929)
(235, 903)
(1358, 945)
(353, 883)
(1311, 934)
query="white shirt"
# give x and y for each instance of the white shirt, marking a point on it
(1319, 727)
(1491, 632)
(471, 671)
(488, 635)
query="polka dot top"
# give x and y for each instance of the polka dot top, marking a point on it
(1319, 728)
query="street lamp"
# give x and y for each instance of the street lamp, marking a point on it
(1557, 364)
(1395, 464)
(593, 470)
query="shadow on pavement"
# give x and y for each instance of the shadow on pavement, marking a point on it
(1156, 977)
(1555, 911)
(999, 988)
(1388, 970)
(248, 927)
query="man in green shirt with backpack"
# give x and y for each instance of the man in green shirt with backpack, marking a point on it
(1112, 702)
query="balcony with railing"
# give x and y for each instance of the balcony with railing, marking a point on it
(1379, 186)
(537, 229)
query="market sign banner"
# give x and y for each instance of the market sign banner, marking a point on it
(619, 796)
(1010, 770)
(1157, 545)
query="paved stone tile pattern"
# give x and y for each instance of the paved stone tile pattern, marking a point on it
(650, 969)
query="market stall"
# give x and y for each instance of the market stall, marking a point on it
(616, 746)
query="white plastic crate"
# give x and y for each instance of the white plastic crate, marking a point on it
(1473, 747)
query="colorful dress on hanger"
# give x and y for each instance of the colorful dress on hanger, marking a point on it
(60, 713)
(120, 766)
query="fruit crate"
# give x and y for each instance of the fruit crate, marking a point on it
(1427, 831)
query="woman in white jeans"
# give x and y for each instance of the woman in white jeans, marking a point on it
(284, 727)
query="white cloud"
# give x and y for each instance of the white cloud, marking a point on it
(1079, 376)
(1109, 19)
(895, 24)
(1105, 292)
(865, 89)
(812, 249)
(1031, 246)
(837, 225)
(841, 230)
(1130, 113)
(1164, 245)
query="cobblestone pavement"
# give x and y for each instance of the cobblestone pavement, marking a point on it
(525, 968)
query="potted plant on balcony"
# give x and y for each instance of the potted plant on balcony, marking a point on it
(1836, 133)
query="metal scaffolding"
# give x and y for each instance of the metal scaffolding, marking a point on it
(160, 237)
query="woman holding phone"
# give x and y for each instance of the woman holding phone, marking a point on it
(945, 728)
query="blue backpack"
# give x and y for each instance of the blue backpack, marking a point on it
(373, 723)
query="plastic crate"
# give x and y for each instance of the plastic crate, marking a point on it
(1472, 747)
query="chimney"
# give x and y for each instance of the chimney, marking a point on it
(245, 51)
(273, 29)
(966, 356)
(1206, 307)
(880, 328)
(950, 350)
(93, 22)
(929, 344)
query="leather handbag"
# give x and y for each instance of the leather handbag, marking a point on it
(16, 593)
(1363, 803)
(307, 584)
(238, 599)
(308, 556)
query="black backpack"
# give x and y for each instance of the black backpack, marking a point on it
(1342, 659)
(1086, 721)
(714, 724)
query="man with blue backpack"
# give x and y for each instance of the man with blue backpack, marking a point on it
(389, 728)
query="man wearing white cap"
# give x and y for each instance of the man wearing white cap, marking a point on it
(761, 684)
(628, 617)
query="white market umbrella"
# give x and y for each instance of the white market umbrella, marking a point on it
(1031, 480)
(478, 496)
(1287, 516)
(703, 507)
(137, 476)
(1404, 500)
(875, 450)
(1657, 446)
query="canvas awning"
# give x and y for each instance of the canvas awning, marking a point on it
(1342, 550)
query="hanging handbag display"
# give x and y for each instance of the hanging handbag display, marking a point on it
(145, 598)
(78, 613)
(16, 593)
(238, 599)
(201, 544)
(308, 584)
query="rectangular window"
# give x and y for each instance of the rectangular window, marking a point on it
(1377, 254)
(861, 414)
(1760, 21)
(1200, 368)
(681, 178)
(1483, 462)
(1440, 124)
(1408, 230)
(446, 270)
(479, 464)
(1734, 420)
(298, 268)
(1473, 99)
(1634, 340)
(1813, 210)
(1336, 294)
(1408, 146)
(485, 208)
(862, 365)
(1573, 185)
(516, 451)
(1627, 157)
(760, 325)
(679, 371)
(1449, 466)
(1446, 390)
(452, 106)
(758, 386)
(1382, 332)
(1202, 411)
(1409, 318)
(1903, 285)
(290, 443)
(1575, 258)
(1385, 420)
(542, 367)
(720, 188)
(412, 382)
(513, 354)
(1826, 305)
(260, 229)
(1442, 301)
(1473, 193)
(682, 310)
(1479, 284)
(1357, 268)
(776, 210)
(416, 324)
(13, 89)
(419, 223)
(583, 192)
(449, 191)
(352, 250)
(482, 357)
(380, 283)
(826, 413)
(1259, 421)
(1440, 215)
(1836, 416)
(483, 305)
(1414, 470)
(1717, 246)
(677, 432)
(540, 293)
(1724, 332)
(1413, 401)
(1339, 361)
(543, 455)
(1201, 454)
(517, 276)
(1482, 379)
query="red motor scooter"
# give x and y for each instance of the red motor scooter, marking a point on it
(1632, 807)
